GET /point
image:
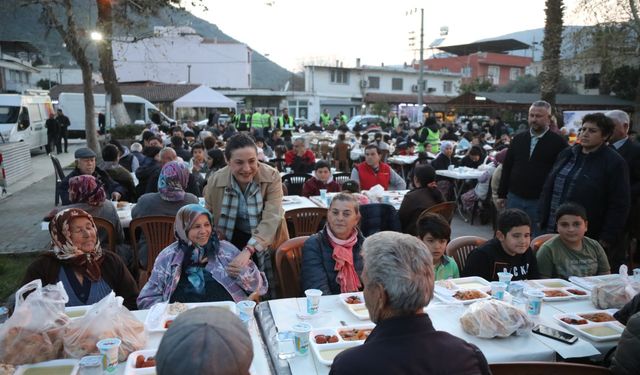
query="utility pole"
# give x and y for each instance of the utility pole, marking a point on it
(421, 75)
(188, 73)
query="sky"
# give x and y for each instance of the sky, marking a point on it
(293, 33)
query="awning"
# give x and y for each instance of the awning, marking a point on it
(17, 66)
(204, 97)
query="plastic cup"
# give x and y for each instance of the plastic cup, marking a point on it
(516, 291)
(497, 290)
(90, 365)
(505, 277)
(109, 350)
(534, 302)
(301, 338)
(246, 308)
(386, 199)
(313, 300)
(323, 194)
(451, 167)
(286, 346)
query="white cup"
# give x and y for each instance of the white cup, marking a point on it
(534, 302)
(323, 194)
(246, 307)
(505, 277)
(109, 350)
(313, 300)
(497, 290)
(301, 337)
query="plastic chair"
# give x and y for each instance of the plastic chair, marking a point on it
(544, 368)
(158, 233)
(288, 262)
(341, 177)
(294, 182)
(59, 177)
(540, 240)
(306, 221)
(446, 209)
(341, 156)
(108, 227)
(459, 248)
(377, 217)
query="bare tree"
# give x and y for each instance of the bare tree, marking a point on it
(552, 44)
(76, 42)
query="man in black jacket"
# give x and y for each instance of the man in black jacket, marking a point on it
(64, 123)
(86, 164)
(528, 162)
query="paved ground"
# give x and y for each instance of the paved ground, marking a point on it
(28, 201)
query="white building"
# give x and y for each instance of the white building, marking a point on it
(179, 55)
(16, 70)
(347, 89)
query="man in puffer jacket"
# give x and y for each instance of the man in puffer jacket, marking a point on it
(625, 359)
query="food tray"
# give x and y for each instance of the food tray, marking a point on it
(359, 310)
(471, 282)
(54, 367)
(159, 313)
(289, 199)
(130, 368)
(589, 282)
(551, 283)
(447, 296)
(570, 293)
(586, 327)
(325, 353)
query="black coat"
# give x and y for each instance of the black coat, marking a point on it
(602, 188)
(630, 151)
(109, 184)
(413, 204)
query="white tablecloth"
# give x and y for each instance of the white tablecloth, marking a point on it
(292, 202)
(460, 173)
(528, 347)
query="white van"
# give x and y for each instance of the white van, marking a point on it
(139, 110)
(22, 117)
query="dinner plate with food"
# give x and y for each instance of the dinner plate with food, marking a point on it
(141, 362)
(354, 302)
(53, 367)
(464, 296)
(597, 325)
(563, 294)
(327, 343)
(161, 315)
(551, 283)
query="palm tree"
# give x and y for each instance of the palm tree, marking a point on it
(552, 43)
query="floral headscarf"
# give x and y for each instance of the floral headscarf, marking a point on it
(173, 180)
(195, 257)
(68, 253)
(86, 189)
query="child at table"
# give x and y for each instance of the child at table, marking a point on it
(198, 162)
(570, 253)
(435, 232)
(509, 251)
(322, 179)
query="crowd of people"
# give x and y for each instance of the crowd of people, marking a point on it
(588, 193)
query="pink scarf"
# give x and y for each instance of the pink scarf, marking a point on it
(343, 256)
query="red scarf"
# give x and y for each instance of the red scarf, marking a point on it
(343, 256)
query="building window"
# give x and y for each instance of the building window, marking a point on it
(591, 81)
(466, 71)
(447, 87)
(374, 82)
(494, 74)
(298, 108)
(396, 84)
(514, 73)
(340, 76)
(445, 70)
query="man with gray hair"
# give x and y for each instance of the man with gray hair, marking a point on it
(630, 152)
(529, 160)
(398, 282)
(300, 159)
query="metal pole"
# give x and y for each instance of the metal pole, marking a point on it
(421, 76)
(188, 73)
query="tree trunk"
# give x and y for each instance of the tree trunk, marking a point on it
(552, 44)
(105, 54)
(635, 20)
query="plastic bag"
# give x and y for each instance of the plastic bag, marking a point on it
(105, 319)
(34, 333)
(615, 293)
(375, 193)
(493, 318)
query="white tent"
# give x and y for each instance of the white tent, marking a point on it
(203, 97)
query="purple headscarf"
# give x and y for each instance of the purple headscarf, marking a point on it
(173, 180)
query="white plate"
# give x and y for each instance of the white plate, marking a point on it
(552, 283)
(158, 313)
(51, 364)
(567, 295)
(359, 310)
(589, 331)
(325, 353)
(130, 368)
(584, 329)
(449, 298)
(289, 199)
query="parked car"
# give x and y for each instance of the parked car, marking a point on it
(365, 122)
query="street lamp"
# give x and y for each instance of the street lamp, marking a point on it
(96, 36)
(421, 74)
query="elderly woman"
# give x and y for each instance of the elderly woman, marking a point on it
(87, 272)
(245, 198)
(87, 194)
(596, 177)
(331, 259)
(171, 196)
(443, 161)
(398, 283)
(424, 195)
(198, 267)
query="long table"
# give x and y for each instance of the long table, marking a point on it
(280, 315)
(460, 175)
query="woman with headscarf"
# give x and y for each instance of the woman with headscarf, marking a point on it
(171, 196)
(87, 272)
(88, 194)
(331, 259)
(443, 161)
(198, 266)
(424, 195)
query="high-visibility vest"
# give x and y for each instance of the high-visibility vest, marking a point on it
(433, 138)
(281, 122)
(267, 121)
(256, 120)
(325, 119)
(344, 118)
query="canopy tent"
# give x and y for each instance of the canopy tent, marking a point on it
(203, 97)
